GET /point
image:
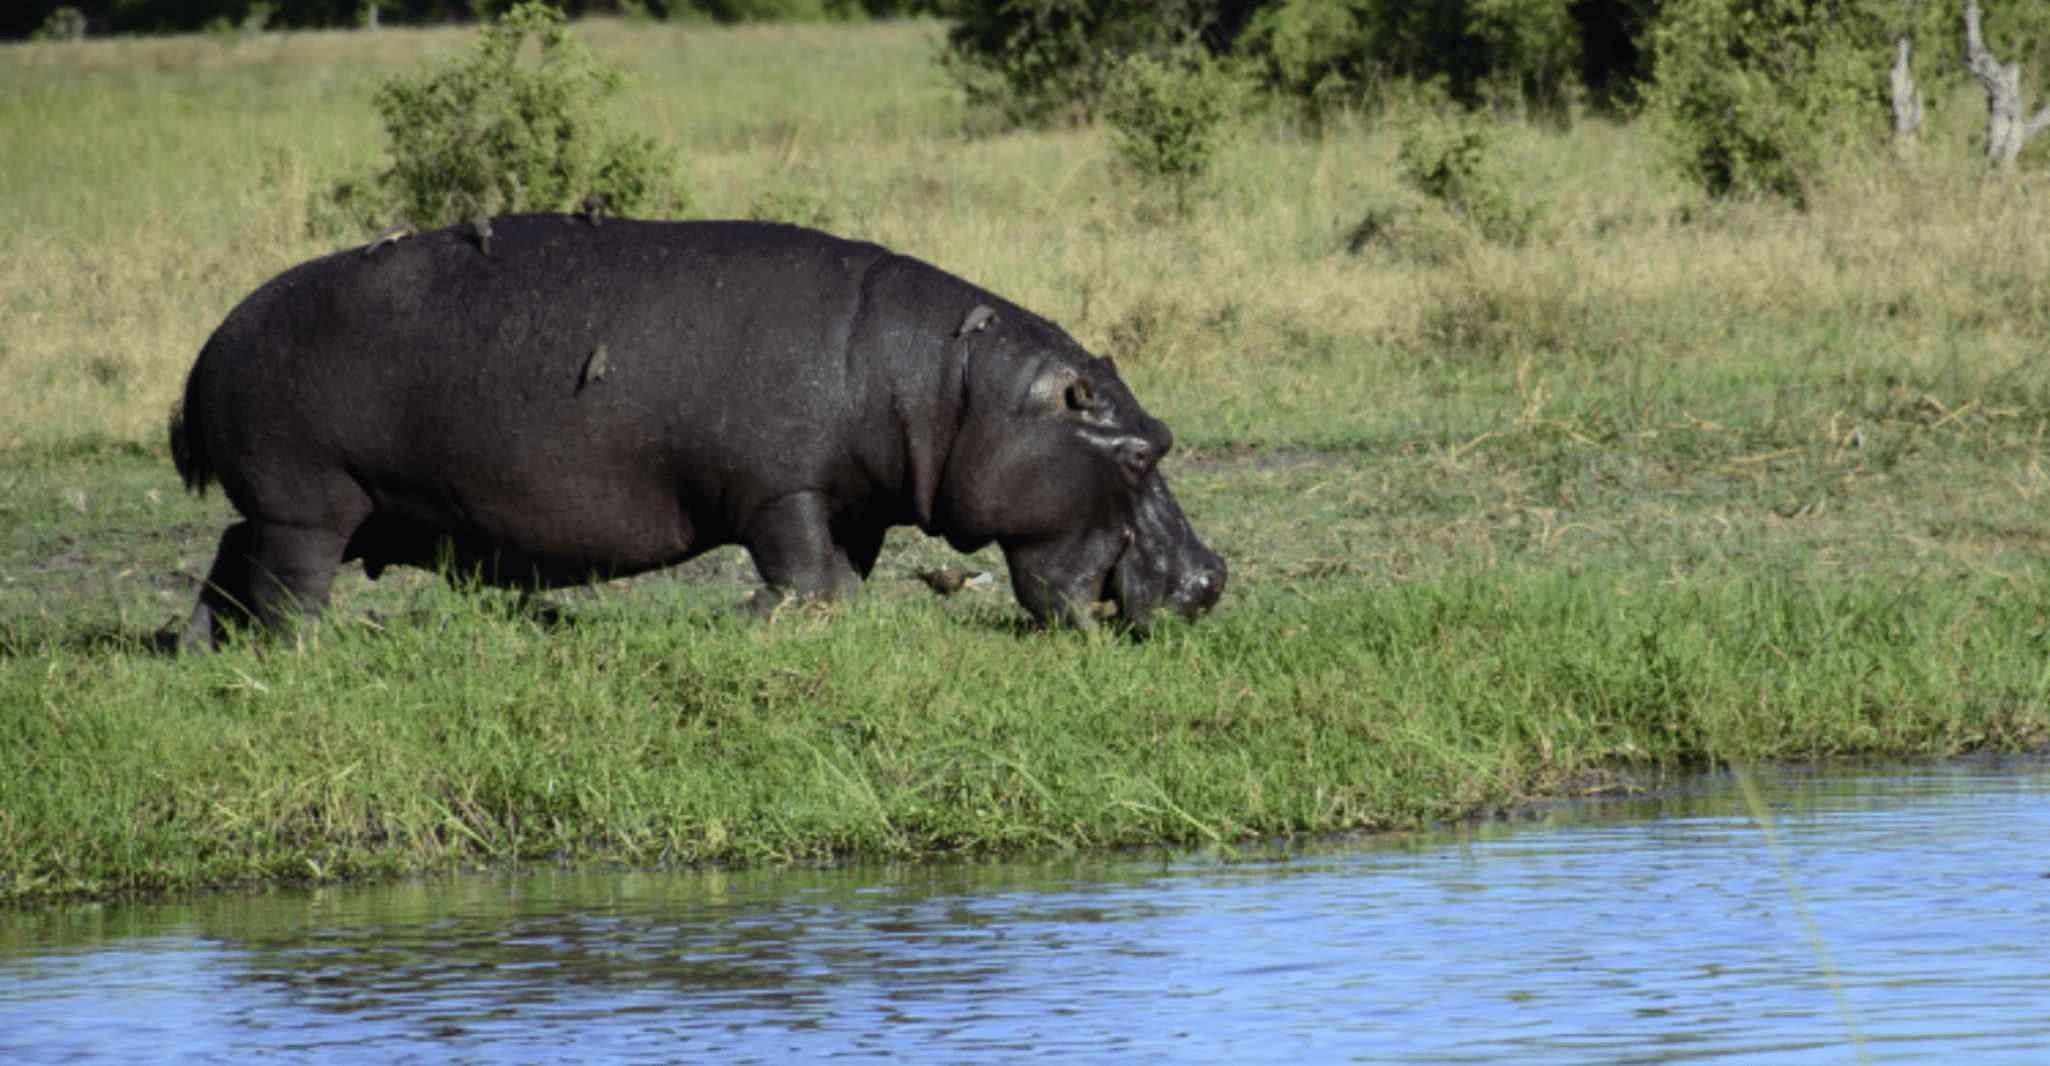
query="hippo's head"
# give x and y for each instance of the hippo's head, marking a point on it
(1057, 462)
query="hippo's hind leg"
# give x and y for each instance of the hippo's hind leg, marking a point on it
(265, 572)
(224, 597)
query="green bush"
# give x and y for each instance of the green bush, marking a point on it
(1167, 119)
(492, 134)
(1326, 52)
(64, 24)
(1753, 97)
(1039, 61)
(1454, 162)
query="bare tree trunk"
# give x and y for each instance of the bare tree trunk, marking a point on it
(1907, 99)
(2005, 131)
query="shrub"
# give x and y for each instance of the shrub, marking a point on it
(1752, 97)
(491, 134)
(1326, 52)
(1036, 61)
(1453, 161)
(1168, 118)
(64, 24)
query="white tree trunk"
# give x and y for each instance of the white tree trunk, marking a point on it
(2005, 130)
(1907, 99)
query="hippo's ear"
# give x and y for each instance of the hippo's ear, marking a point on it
(1080, 396)
(1066, 390)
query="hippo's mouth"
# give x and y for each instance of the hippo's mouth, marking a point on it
(1164, 568)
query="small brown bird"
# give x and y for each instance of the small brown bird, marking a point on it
(594, 370)
(594, 209)
(945, 581)
(391, 236)
(982, 316)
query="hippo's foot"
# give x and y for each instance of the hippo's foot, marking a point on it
(772, 604)
(223, 596)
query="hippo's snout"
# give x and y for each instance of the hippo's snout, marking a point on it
(1199, 589)
(1168, 567)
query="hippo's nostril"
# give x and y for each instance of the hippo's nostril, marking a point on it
(1200, 592)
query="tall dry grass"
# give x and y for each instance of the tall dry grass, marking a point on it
(152, 183)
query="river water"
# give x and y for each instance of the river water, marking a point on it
(1888, 914)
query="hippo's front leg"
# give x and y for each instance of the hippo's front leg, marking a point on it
(791, 540)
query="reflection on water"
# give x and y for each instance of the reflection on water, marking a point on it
(1644, 931)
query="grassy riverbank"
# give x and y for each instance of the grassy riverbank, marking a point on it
(652, 730)
(1674, 484)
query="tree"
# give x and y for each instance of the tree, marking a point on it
(2006, 132)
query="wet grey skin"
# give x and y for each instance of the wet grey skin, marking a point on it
(593, 402)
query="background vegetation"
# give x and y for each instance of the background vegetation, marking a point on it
(105, 17)
(492, 133)
(1665, 478)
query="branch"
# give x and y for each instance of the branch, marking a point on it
(1975, 46)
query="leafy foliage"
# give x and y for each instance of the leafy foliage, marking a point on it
(1753, 96)
(20, 18)
(64, 24)
(1478, 51)
(1168, 118)
(1615, 50)
(492, 134)
(1454, 162)
(1040, 59)
(1034, 61)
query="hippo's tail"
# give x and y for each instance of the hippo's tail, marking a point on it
(188, 437)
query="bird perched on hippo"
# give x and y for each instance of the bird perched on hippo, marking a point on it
(588, 402)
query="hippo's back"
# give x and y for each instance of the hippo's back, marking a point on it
(606, 377)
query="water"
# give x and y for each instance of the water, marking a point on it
(1910, 922)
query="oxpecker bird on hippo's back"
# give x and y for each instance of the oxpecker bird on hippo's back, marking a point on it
(593, 401)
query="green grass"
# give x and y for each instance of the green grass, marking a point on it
(1676, 484)
(1391, 651)
(468, 734)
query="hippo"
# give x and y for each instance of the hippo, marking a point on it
(537, 401)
